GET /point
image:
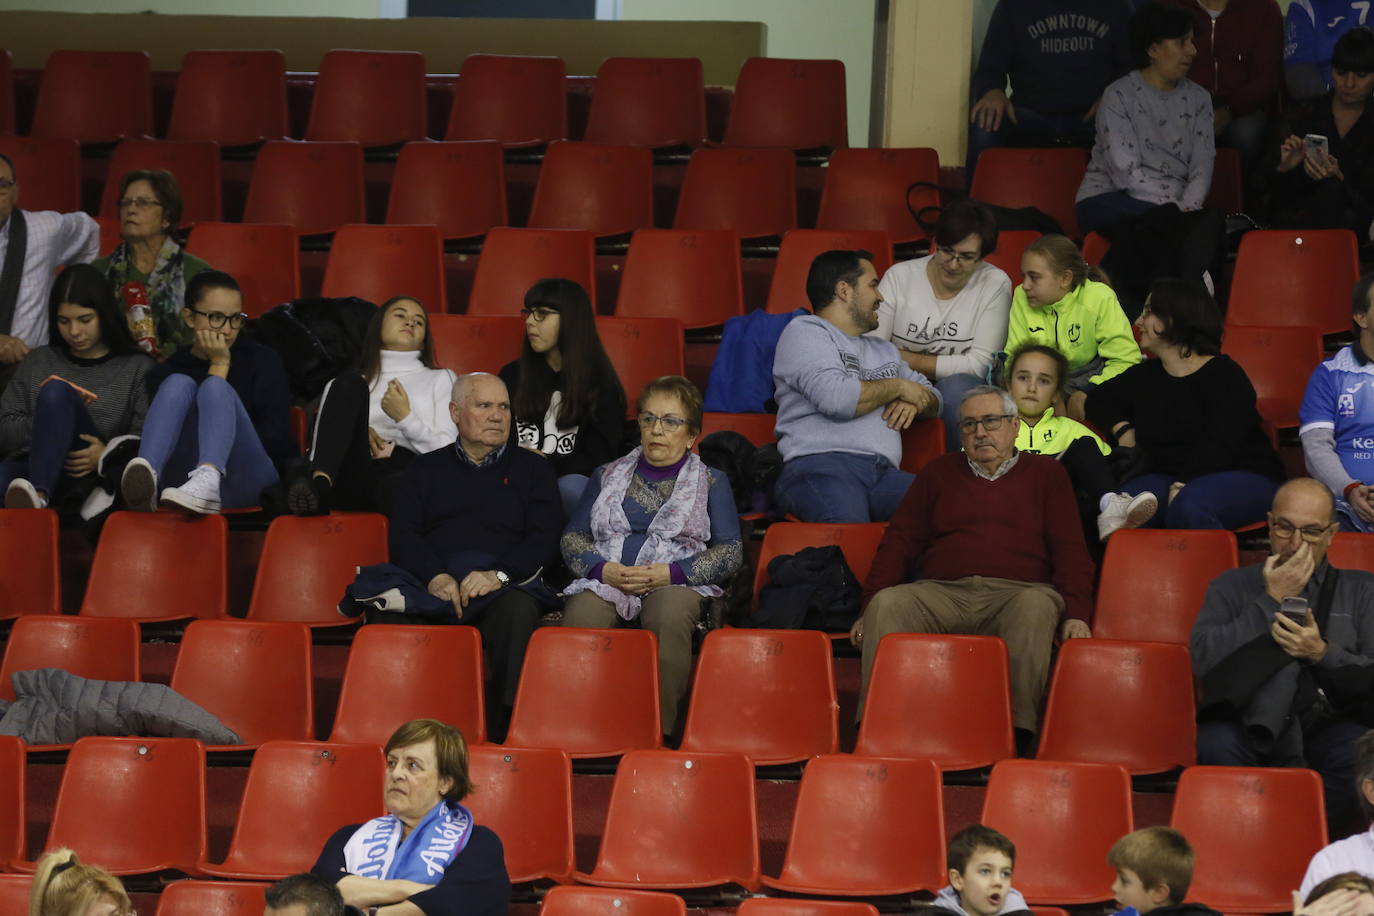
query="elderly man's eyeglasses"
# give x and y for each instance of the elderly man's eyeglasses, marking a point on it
(670, 424)
(1284, 529)
(963, 257)
(138, 203)
(539, 314)
(7, 184)
(990, 422)
(217, 320)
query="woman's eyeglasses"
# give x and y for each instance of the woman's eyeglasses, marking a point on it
(539, 314)
(217, 320)
(671, 424)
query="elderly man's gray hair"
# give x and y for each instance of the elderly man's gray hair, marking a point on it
(318, 896)
(460, 387)
(977, 391)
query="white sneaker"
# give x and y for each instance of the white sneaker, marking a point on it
(200, 492)
(21, 495)
(139, 485)
(1125, 511)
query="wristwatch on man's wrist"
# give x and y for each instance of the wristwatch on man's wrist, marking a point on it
(502, 578)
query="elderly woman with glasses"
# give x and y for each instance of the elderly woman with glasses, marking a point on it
(947, 312)
(654, 533)
(566, 398)
(149, 258)
(1190, 416)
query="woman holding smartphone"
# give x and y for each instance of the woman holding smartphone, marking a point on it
(70, 398)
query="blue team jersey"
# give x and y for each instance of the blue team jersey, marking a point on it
(1312, 28)
(1340, 397)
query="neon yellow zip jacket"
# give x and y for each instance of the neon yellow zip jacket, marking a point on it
(1085, 324)
(1051, 435)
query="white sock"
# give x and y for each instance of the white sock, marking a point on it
(1102, 503)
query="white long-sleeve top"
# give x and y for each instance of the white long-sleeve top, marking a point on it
(428, 425)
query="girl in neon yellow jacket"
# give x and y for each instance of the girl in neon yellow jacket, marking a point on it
(1064, 303)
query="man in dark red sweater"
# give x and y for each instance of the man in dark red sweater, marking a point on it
(991, 538)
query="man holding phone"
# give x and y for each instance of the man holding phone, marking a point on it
(1276, 648)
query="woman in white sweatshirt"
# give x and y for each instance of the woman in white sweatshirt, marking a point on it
(373, 422)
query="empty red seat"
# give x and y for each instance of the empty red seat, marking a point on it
(377, 263)
(14, 894)
(1047, 179)
(1294, 277)
(315, 187)
(602, 901)
(12, 802)
(48, 171)
(752, 191)
(867, 189)
(756, 427)
(256, 677)
(859, 542)
(941, 696)
(386, 661)
(519, 101)
(1063, 818)
(1121, 702)
(195, 163)
(1011, 245)
(791, 906)
(211, 898)
(922, 442)
(694, 277)
(866, 827)
(766, 693)
(787, 291)
(308, 562)
(513, 260)
(102, 648)
(607, 190)
(591, 693)
(314, 787)
(648, 101)
(525, 796)
(1350, 550)
(641, 350)
(679, 821)
(476, 343)
(233, 97)
(144, 559)
(1279, 361)
(459, 187)
(375, 98)
(95, 96)
(1153, 581)
(796, 104)
(264, 259)
(30, 571)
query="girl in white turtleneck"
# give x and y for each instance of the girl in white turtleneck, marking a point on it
(373, 422)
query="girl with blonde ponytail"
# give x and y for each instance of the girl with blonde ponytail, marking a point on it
(63, 886)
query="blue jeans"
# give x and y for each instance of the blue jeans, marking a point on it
(953, 388)
(841, 487)
(189, 425)
(1102, 211)
(60, 417)
(1226, 499)
(1031, 129)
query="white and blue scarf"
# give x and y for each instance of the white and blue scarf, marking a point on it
(376, 849)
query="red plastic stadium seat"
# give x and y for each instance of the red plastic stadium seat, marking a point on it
(859, 542)
(789, 906)
(12, 801)
(308, 562)
(607, 190)
(48, 170)
(1153, 581)
(766, 693)
(752, 191)
(922, 442)
(1299, 277)
(787, 291)
(519, 101)
(102, 648)
(384, 664)
(1349, 550)
(153, 788)
(940, 696)
(264, 259)
(694, 277)
(867, 189)
(866, 827)
(459, 187)
(679, 821)
(14, 894)
(95, 96)
(648, 101)
(1227, 193)
(1121, 702)
(1095, 248)
(1011, 245)
(602, 901)
(796, 104)
(194, 163)
(7, 92)
(641, 350)
(144, 559)
(378, 262)
(592, 693)
(1047, 179)
(1253, 831)
(315, 187)
(525, 795)
(30, 574)
(254, 676)
(109, 234)
(756, 427)
(376, 98)
(1063, 818)
(476, 343)
(235, 98)
(513, 260)
(211, 898)
(314, 787)
(1279, 361)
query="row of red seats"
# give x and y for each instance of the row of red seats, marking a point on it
(1254, 829)
(377, 98)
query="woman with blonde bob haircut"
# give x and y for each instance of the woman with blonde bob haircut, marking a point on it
(62, 886)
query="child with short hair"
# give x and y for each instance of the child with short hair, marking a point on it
(1154, 866)
(980, 864)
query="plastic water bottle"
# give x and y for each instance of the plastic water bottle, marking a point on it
(140, 316)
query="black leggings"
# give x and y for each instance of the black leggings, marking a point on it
(341, 449)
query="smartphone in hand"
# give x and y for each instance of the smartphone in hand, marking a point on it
(1295, 609)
